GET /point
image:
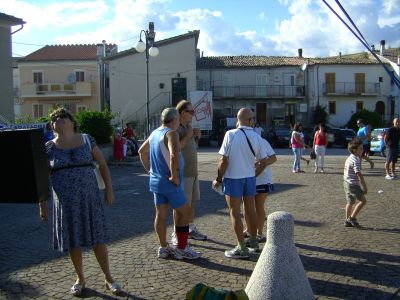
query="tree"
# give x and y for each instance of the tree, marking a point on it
(320, 115)
(97, 124)
(370, 117)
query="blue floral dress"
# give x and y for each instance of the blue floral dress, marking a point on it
(78, 207)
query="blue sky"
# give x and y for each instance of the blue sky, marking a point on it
(235, 27)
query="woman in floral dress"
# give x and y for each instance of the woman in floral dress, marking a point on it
(78, 208)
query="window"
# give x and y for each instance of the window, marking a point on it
(332, 107)
(37, 111)
(37, 77)
(81, 108)
(359, 105)
(227, 111)
(79, 76)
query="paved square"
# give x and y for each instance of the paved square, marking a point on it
(341, 263)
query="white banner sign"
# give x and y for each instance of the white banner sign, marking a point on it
(203, 111)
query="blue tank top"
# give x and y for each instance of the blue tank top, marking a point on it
(159, 164)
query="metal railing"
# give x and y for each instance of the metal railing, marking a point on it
(351, 88)
(255, 91)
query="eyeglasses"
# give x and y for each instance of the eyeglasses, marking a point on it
(190, 111)
(60, 116)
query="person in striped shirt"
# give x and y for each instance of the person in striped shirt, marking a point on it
(354, 184)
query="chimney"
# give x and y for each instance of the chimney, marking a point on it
(340, 54)
(373, 48)
(382, 47)
(300, 52)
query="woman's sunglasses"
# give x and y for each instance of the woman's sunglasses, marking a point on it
(60, 116)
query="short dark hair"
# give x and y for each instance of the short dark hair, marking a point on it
(354, 144)
(297, 126)
(182, 105)
(63, 111)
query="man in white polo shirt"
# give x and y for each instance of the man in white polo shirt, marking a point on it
(238, 173)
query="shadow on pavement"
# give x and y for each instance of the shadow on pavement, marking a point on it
(346, 291)
(308, 223)
(206, 264)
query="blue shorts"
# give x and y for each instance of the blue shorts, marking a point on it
(264, 188)
(174, 199)
(240, 187)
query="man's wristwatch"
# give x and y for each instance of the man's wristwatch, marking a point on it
(218, 180)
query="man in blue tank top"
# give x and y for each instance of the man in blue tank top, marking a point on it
(161, 158)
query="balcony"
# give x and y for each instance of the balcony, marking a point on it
(56, 89)
(351, 89)
(258, 91)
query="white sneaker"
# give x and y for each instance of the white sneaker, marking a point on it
(195, 234)
(389, 177)
(168, 251)
(188, 253)
(315, 170)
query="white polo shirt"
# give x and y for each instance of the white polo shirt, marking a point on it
(240, 159)
(266, 176)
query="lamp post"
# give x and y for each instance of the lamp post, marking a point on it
(149, 34)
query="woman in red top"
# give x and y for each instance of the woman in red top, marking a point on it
(118, 148)
(320, 143)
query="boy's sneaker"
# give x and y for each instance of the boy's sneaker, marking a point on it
(353, 222)
(188, 253)
(174, 239)
(196, 234)
(252, 245)
(390, 177)
(237, 253)
(261, 238)
(347, 224)
(168, 251)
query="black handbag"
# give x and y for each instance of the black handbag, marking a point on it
(313, 155)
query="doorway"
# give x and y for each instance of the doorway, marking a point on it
(290, 113)
(261, 114)
(178, 90)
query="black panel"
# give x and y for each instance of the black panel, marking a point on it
(24, 167)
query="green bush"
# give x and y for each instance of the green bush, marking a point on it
(97, 124)
(320, 115)
(370, 117)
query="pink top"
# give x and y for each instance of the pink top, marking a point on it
(295, 143)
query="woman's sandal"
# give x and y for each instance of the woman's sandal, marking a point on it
(113, 287)
(77, 289)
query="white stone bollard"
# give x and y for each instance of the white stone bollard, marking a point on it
(279, 273)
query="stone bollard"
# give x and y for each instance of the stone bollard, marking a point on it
(279, 273)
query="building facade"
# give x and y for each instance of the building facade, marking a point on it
(6, 67)
(60, 75)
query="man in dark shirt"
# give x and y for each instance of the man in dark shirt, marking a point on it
(392, 147)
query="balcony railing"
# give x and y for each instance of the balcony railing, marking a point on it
(257, 91)
(351, 88)
(56, 89)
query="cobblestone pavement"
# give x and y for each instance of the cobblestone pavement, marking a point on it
(341, 263)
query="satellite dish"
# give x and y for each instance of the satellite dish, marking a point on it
(71, 78)
(303, 67)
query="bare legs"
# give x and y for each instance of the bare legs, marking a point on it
(236, 221)
(353, 213)
(101, 253)
(260, 212)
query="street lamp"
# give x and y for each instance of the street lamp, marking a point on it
(149, 34)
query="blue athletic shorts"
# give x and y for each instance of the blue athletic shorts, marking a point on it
(175, 199)
(240, 187)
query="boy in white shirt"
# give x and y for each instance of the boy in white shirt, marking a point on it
(354, 184)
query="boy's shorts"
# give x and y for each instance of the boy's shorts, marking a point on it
(352, 192)
(175, 199)
(240, 187)
(264, 188)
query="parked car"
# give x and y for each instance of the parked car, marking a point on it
(279, 137)
(377, 141)
(342, 136)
